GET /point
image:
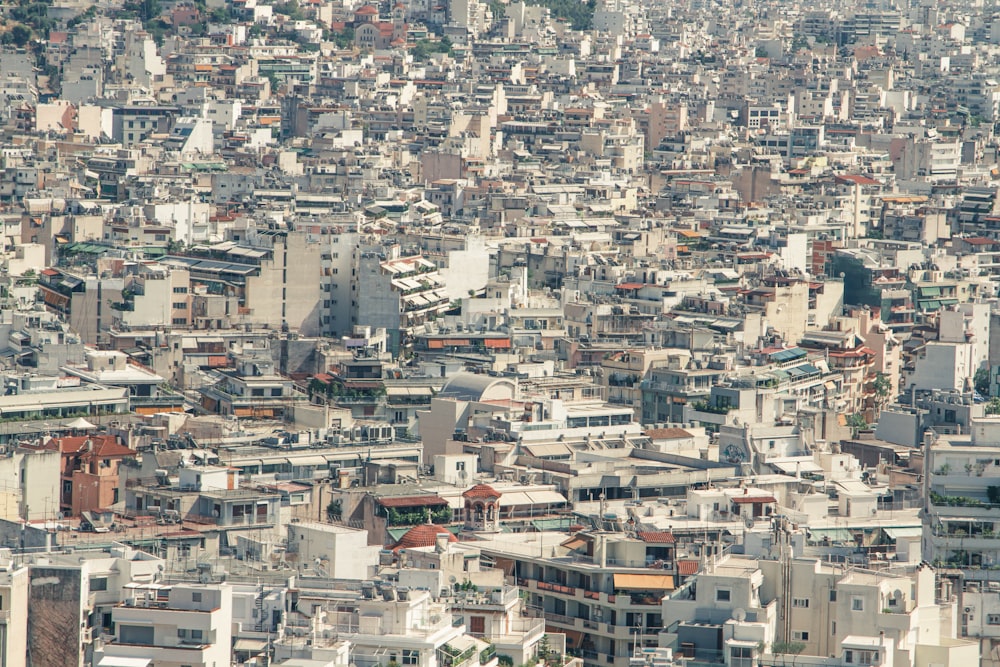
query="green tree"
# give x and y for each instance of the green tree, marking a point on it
(344, 39)
(981, 381)
(993, 407)
(856, 422)
(882, 387)
(19, 35)
(579, 14)
(993, 494)
(787, 648)
(290, 9)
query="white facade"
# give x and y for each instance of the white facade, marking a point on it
(183, 624)
(343, 552)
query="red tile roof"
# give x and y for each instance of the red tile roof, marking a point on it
(857, 179)
(482, 491)
(979, 240)
(658, 537)
(686, 568)
(424, 535)
(101, 446)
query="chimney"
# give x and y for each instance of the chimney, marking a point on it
(441, 543)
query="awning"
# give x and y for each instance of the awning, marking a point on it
(832, 534)
(561, 523)
(308, 461)
(553, 449)
(545, 497)
(904, 531)
(754, 500)
(121, 661)
(515, 499)
(645, 582)
(573, 543)
(252, 645)
(791, 467)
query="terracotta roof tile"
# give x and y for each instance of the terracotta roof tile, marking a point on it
(424, 535)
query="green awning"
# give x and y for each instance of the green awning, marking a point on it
(930, 291)
(930, 304)
(788, 355)
(831, 534)
(396, 533)
(561, 523)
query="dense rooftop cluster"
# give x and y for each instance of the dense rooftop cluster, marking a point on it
(468, 334)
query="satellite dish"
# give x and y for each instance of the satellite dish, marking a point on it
(740, 614)
(452, 579)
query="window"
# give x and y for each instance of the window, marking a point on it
(833, 596)
(802, 603)
(723, 595)
(992, 619)
(801, 636)
(180, 320)
(196, 597)
(833, 628)
(180, 305)
(99, 584)
(854, 657)
(411, 657)
(741, 656)
(857, 604)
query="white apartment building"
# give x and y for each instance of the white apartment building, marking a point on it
(603, 590)
(344, 553)
(384, 627)
(846, 616)
(168, 626)
(961, 496)
(398, 294)
(13, 613)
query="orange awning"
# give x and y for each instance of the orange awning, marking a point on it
(645, 582)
